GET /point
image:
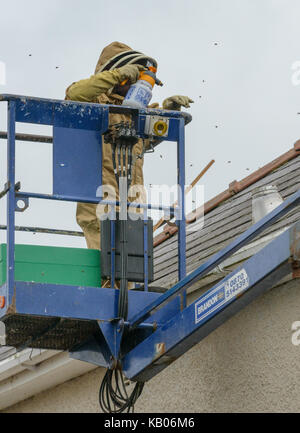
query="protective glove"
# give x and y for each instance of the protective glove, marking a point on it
(176, 102)
(130, 72)
(153, 105)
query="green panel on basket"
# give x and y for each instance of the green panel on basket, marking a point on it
(54, 265)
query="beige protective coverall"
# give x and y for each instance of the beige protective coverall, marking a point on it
(97, 89)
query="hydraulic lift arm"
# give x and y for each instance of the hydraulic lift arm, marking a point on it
(225, 299)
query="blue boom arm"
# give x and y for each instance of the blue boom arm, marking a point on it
(186, 328)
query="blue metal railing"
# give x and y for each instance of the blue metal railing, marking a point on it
(68, 119)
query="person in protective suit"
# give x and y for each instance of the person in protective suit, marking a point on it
(117, 63)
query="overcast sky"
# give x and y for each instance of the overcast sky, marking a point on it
(234, 58)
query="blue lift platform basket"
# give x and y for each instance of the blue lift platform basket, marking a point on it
(84, 320)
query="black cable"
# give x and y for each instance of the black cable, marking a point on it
(124, 159)
(119, 151)
(119, 158)
(123, 292)
(112, 398)
(113, 395)
(114, 162)
(129, 168)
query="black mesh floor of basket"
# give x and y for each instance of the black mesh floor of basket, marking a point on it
(47, 332)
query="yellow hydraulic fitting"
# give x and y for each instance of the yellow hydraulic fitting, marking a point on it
(160, 128)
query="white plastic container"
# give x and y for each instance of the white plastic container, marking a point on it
(264, 200)
(139, 95)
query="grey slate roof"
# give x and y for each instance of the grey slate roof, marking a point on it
(224, 223)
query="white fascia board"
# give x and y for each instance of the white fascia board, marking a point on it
(49, 373)
(23, 360)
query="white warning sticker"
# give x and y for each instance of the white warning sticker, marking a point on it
(221, 295)
(236, 284)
